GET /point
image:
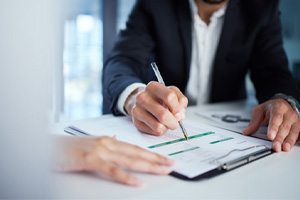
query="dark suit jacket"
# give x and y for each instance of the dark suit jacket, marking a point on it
(161, 30)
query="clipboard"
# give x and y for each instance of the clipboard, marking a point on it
(173, 145)
(228, 166)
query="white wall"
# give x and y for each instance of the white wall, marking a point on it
(29, 51)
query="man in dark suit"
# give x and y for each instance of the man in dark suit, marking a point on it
(204, 49)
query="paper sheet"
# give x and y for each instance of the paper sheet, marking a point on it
(233, 122)
(201, 153)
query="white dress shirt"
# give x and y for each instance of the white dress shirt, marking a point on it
(205, 39)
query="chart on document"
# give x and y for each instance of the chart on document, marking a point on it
(206, 150)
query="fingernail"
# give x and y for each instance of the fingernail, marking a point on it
(165, 170)
(135, 182)
(245, 131)
(183, 111)
(287, 147)
(170, 162)
(180, 115)
(277, 146)
(272, 134)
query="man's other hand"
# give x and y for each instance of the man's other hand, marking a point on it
(283, 123)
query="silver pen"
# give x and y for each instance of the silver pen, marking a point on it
(160, 80)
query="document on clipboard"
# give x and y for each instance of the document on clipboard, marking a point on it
(208, 152)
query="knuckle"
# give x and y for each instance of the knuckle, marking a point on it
(151, 85)
(158, 128)
(294, 116)
(277, 103)
(141, 97)
(105, 141)
(274, 127)
(137, 124)
(280, 137)
(100, 153)
(277, 114)
(171, 96)
(285, 126)
(172, 87)
(162, 115)
(159, 132)
(113, 171)
(184, 101)
(280, 105)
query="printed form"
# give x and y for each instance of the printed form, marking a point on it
(208, 147)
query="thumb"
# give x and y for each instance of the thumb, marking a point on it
(256, 120)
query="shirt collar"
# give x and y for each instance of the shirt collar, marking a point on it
(218, 14)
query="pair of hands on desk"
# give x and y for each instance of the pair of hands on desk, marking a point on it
(108, 158)
(157, 108)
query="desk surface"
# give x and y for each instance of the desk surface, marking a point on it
(276, 176)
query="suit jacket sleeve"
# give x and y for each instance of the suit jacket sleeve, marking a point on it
(269, 68)
(128, 59)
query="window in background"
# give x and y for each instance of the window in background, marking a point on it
(83, 55)
(82, 60)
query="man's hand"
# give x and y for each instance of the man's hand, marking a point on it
(156, 108)
(283, 123)
(108, 158)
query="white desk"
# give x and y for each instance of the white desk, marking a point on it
(276, 176)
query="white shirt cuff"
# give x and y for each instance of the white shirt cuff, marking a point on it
(124, 95)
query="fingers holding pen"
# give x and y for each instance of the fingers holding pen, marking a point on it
(157, 108)
(152, 101)
(146, 122)
(183, 103)
(170, 96)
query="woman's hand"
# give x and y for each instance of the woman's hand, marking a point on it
(109, 158)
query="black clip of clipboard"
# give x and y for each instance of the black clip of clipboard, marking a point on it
(228, 166)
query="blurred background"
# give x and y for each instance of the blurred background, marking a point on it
(90, 28)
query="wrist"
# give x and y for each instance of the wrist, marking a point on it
(291, 100)
(131, 99)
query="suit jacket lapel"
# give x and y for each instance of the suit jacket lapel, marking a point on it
(230, 22)
(185, 26)
(229, 26)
